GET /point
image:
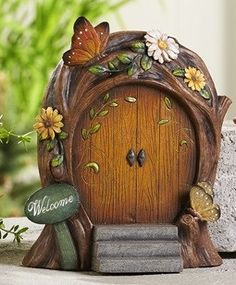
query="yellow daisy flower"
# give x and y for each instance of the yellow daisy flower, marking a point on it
(194, 78)
(48, 123)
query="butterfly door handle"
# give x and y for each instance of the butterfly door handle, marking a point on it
(141, 157)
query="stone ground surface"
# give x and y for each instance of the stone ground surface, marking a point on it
(11, 273)
(223, 232)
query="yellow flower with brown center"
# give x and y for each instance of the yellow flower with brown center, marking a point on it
(194, 78)
(48, 123)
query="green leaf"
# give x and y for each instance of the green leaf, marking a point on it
(95, 128)
(132, 69)
(106, 97)
(163, 122)
(92, 113)
(94, 166)
(115, 63)
(179, 72)
(111, 66)
(4, 133)
(205, 94)
(21, 231)
(138, 46)
(16, 228)
(17, 239)
(124, 58)
(84, 134)
(103, 113)
(24, 139)
(146, 62)
(97, 69)
(50, 145)
(5, 235)
(57, 160)
(63, 135)
(130, 99)
(168, 103)
(113, 104)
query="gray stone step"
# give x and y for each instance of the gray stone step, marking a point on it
(135, 232)
(136, 248)
(137, 264)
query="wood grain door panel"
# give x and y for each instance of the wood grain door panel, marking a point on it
(148, 139)
(166, 135)
(110, 195)
(120, 193)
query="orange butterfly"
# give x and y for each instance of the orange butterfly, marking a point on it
(87, 42)
(201, 200)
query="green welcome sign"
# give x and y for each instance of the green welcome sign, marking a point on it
(54, 204)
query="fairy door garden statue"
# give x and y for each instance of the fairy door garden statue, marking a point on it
(129, 138)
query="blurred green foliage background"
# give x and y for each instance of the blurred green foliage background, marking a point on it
(33, 36)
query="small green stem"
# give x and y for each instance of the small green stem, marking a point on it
(19, 136)
(6, 231)
(67, 250)
(14, 230)
(29, 133)
(103, 106)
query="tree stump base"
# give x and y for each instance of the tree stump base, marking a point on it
(197, 247)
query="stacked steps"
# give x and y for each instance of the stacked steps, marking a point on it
(136, 248)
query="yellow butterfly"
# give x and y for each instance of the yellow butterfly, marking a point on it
(201, 201)
(207, 187)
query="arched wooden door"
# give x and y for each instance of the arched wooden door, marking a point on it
(134, 118)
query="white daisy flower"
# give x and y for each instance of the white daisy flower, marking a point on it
(161, 47)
